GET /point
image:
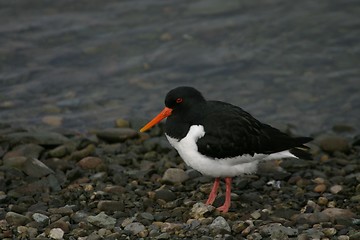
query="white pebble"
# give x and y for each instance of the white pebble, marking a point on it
(56, 233)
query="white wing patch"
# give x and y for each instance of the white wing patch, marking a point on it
(225, 167)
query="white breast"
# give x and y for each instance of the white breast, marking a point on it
(225, 167)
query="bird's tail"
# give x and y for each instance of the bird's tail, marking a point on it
(302, 151)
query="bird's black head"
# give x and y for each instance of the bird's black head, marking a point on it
(183, 97)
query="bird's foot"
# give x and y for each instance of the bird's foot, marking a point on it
(224, 208)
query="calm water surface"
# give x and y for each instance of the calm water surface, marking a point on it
(90, 62)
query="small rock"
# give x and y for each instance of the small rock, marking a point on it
(336, 189)
(220, 223)
(38, 137)
(338, 213)
(114, 189)
(135, 227)
(355, 198)
(323, 201)
(3, 197)
(79, 216)
(64, 225)
(332, 143)
(199, 210)
(16, 219)
(311, 218)
(329, 232)
(109, 205)
(163, 236)
(276, 228)
(122, 123)
(256, 214)
(36, 168)
(165, 194)
(61, 210)
(175, 175)
(343, 237)
(147, 215)
(41, 218)
(102, 220)
(90, 162)
(59, 151)
(15, 162)
(116, 134)
(56, 233)
(54, 121)
(87, 151)
(320, 188)
(26, 150)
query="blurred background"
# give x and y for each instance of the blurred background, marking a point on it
(83, 64)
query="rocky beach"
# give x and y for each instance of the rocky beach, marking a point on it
(116, 183)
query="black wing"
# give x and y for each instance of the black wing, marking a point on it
(230, 132)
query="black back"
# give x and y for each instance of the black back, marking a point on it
(229, 130)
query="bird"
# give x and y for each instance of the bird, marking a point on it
(221, 140)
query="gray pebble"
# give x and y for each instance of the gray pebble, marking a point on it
(220, 223)
(102, 220)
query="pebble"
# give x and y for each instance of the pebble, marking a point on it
(220, 223)
(35, 168)
(329, 232)
(336, 213)
(122, 123)
(116, 134)
(90, 162)
(335, 189)
(41, 218)
(56, 233)
(16, 219)
(43, 138)
(54, 121)
(200, 210)
(29, 150)
(135, 227)
(102, 220)
(276, 229)
(320, 188)
(333, 143)
(165, 194)
(174, 175)
(109, 205)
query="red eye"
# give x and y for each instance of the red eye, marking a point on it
(179, 100)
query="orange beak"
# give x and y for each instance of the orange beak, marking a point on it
(163, 114)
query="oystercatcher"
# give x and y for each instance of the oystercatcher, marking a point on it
(221, 140)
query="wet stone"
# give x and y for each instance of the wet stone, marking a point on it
(201, 210)
(135, 228)
(43, 138)
(116, 134)
(108, 205)
(220, 223)
(276, 229)
(35, 168)
(102, 220)
(165, 194)
(56, 233)
(175, 175)
(90, 162)
(27, 150)
(16, 219)
(333, 143)
(41, 218)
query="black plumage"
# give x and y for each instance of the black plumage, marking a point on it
(229, 130)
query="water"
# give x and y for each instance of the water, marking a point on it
(90, 62)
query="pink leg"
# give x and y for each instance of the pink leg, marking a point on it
(225, 208)
(213, 192)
